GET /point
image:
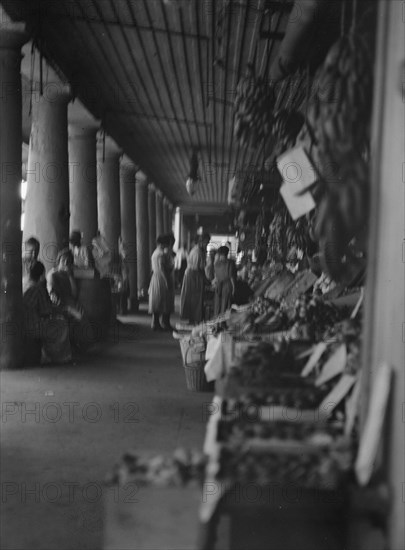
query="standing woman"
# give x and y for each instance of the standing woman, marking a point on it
(192, 291)
(159, 293)
(225, 278)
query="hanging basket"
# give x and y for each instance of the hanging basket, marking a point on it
(195, 375)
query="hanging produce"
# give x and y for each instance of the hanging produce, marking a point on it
(254, 105)
(340, 120)
(285, 129)
(341, 113)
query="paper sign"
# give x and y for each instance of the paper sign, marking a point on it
(373, 429)
(313, 360)
(298, 174)
(334, 397)
(298, 205)
(334, 365)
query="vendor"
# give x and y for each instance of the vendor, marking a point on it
(63, 292)
(192, 291)
(46, 335)
(224, 281)
(30, 255)
(82, 255)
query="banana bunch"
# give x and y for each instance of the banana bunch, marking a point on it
(297, 234)
(285, 129)
(254, 104)
(343, 212)
(340, 119)
(276, 242)
(341, 113)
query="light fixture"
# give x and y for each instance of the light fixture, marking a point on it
(191, 186)
(193, 179)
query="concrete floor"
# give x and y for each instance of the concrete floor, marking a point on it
(128, 394)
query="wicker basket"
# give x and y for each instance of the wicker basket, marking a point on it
(191, 353)
(195, 375)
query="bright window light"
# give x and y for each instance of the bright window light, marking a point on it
(23, 189)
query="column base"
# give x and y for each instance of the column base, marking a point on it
(143, 295)
(133, 305)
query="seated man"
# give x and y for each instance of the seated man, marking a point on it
(63, 293)
(46, 333)
(30, 255)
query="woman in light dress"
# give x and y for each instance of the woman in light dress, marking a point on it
(160, 288)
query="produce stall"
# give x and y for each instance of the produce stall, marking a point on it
(295, 428)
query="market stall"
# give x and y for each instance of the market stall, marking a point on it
(295, 446)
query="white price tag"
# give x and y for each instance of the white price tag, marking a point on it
(334, 365)
(313, 360)
(334, 397)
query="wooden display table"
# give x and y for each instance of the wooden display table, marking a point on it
(156, 518)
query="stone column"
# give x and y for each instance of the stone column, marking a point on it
(152, 217)
(160, 229)
(83, 181)
(165, 216)
(12, 37)
(170, 216)
(47, 201)
(128, 227)
(108, 192)
(142, 234)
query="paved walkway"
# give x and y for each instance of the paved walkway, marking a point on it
(64, 427)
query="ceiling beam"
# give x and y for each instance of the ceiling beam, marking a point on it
(215, 209)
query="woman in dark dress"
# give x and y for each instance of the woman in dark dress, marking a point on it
(192, 291)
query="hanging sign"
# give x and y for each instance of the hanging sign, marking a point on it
(298, 176)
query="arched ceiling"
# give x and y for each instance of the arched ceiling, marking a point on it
(161, 75)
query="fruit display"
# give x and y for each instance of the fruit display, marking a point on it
(311, 316)
(182, 468)
(238, 431)
(302, 396)
(254, 105)
(262, 363)
(321, 469)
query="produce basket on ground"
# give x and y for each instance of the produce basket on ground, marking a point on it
(194, 370)
(193, 348)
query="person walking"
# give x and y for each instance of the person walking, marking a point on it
(192, 290)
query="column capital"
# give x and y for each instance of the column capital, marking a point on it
(110, 148)
(159, 194)
(152, 188)
(141, 178)
(77, 131)
(12, 35)
(127, 163)
(56, 92)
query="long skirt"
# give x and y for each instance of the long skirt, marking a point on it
(159, 294)
(192, 296)
(223, 297)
